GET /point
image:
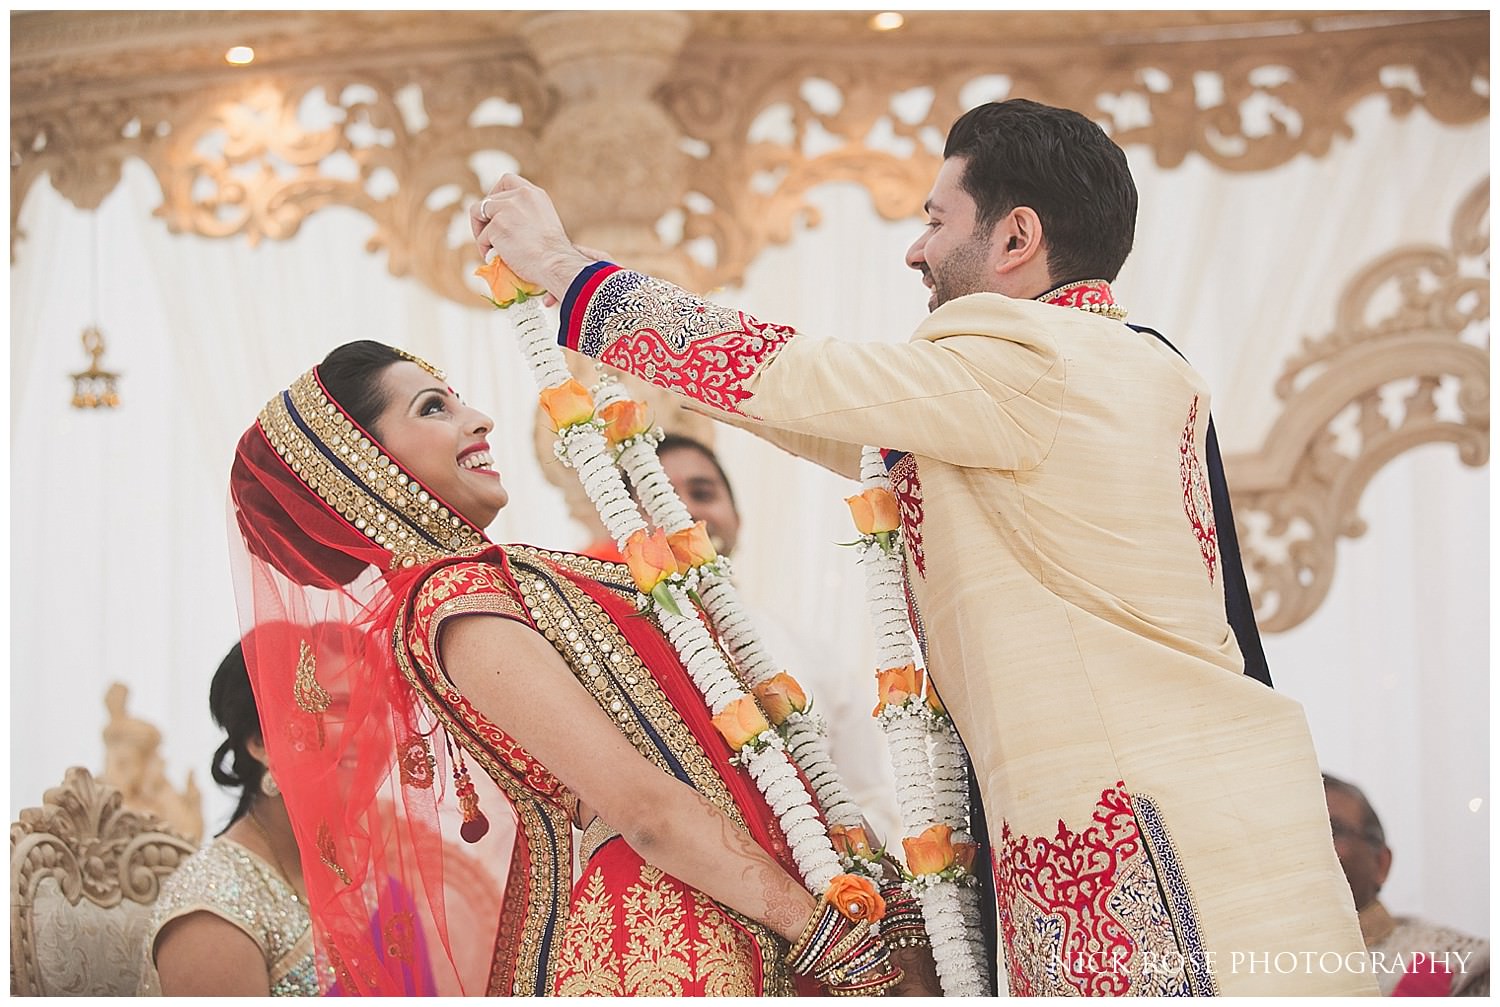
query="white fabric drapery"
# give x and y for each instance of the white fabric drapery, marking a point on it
(119, 565)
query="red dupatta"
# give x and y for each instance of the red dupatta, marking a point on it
(328, 536)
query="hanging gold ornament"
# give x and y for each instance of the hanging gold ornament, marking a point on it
(94, 388)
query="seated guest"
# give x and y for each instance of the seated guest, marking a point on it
(1409, 956)
(232, 921)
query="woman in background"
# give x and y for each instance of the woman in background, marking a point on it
(232, 921)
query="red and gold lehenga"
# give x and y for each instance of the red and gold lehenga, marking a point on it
(348, 573)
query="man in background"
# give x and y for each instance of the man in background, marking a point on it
(1409, 956)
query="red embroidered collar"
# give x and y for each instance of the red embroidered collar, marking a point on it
(1085, 295)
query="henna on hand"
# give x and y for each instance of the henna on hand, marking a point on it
(785, 904)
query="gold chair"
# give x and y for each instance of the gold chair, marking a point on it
(84, 872)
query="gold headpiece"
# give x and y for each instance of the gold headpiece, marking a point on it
(339, 462)
(435, 372)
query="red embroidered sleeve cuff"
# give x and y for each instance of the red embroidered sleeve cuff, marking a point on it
(667, 336)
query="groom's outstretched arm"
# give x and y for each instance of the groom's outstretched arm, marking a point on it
(838, 457)
(962, 391)
(958, 392)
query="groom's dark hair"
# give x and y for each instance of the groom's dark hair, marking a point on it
(1063, 166)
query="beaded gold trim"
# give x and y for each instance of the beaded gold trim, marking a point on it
(1076, 295)
(349, 472)
(594, 836)
(488, 603)
(548, 838)
(607, 666)
(429, 368)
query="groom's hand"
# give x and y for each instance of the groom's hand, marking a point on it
(519, 223)
(921, 978)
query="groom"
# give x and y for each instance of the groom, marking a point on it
(1157, 815)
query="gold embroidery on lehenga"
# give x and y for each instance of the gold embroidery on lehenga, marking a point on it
(776, 976)
(617, 675)
(723, 952)
(587, 965)
(656, 959)
(601, 658)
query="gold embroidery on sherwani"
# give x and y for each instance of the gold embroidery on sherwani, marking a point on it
(587, 965)
(723, 952)
(656, 950)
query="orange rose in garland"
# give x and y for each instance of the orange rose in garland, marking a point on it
(856, 897)
(896, 685)
(649, 556)
(875, 511)
(740, 722)
(932, 852)
(623, 420)
(692, 546)
(852, 841)
(963, 856)
(876, 515)
(780, 695)
(506, 288)
(567, 404)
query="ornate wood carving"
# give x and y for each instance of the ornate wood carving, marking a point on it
(83, 838)
(409, 116)
(133, 765)
(397, 118)
(1406, 364)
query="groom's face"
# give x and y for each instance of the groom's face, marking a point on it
(951, 257)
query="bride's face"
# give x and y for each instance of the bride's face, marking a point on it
(441, 441)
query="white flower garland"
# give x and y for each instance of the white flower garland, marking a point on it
(930, 766)
(584, 448)
(805, 733)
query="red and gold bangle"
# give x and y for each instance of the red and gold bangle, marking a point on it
(902, 925)
(848, 957)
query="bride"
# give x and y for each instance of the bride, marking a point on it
(360, 496)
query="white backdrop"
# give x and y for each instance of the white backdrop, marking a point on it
(119, 567)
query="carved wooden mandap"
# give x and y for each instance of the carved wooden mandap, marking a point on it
(719, 124)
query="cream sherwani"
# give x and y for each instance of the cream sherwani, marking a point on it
(1158, 820)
